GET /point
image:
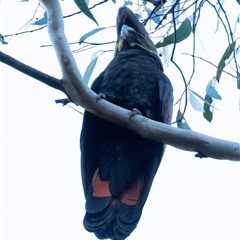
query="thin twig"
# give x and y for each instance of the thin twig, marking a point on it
(67, 16)
(179, 69)
(194, 56)
(169, 11)
(89, 43)
(231, 35)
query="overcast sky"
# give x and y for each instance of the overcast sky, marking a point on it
(41, 183)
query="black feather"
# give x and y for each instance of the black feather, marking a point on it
(118, 165)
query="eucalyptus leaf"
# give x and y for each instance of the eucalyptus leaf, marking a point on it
(219, 10)
(166, 56)
(238, 19)
(87, 35)
(154, 17)
(2, 39)
(195, 103)
(203, 99)
(236, 24)
(207, 114)
(42, 21)
(84, 8)
(127, 2)
(226, 55)
(211, 90)
(182, 33)
(176, 10)
(90, 68)
(181, 123)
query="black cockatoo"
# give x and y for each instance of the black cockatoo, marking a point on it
(118, 165)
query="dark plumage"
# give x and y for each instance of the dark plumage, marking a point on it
(118, 165)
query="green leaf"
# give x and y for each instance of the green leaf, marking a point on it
(225, 56)
(183, 123)
(87, 35)
(182, 33)
(207, 114)
(90, 68)
(114, 1)
(84, 8)
(2, 39)
(238, 1)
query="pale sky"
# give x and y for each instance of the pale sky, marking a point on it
(42, 196)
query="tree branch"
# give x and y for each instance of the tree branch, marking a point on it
(193, 56)
(82, 95)
(42, 77)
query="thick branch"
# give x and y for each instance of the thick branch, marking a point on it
(186, 140)
(81, 95)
